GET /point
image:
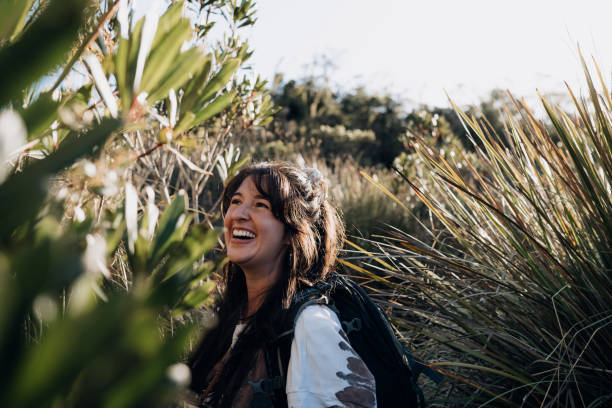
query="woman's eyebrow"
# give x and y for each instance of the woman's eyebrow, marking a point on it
(258, 196)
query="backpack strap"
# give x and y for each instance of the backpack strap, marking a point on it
(315, 298)
(271, 390)
(419, 368)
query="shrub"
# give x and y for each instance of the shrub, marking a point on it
(101, 181)
(511, 298)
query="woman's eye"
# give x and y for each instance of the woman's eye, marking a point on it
(235, 201)
(262, 205)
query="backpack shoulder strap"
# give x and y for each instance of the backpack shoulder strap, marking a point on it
(312, 297)
(278, 351)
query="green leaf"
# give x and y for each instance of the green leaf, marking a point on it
(52, 365)
(194, 299)
(193, 88)
(39, 115)
(168, 22)
(164, 55)
(167, 226)
(25, 61)
(214, 107)
(185, 66)
(195, 245)
(22, 194)
(236, 166)
(191, 119)
(51, 262)
(132, 57)
(243, 53)
(172, 281)
(219, 80)
(121, 73)
(138, 260)
(185, 122)
(114, 236)
(13, 15)
(83, 95)
(141, 386)
(8, 302)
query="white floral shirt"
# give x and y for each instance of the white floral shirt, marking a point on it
(324, 370)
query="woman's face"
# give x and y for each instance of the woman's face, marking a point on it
(254, 237)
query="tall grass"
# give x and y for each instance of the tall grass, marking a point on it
(511, 297)
(365, 210)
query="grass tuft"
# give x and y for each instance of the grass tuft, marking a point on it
(510, 294)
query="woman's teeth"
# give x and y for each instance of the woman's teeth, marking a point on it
(242, 234)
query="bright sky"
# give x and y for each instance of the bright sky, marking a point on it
(417, 49)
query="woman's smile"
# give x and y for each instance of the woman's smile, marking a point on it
(254, 237)
(242, 234)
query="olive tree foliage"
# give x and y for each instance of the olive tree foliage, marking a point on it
(111, 126)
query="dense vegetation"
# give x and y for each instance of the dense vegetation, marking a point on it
(110, 132)
(485, 232)
(501, 282)
(511, 292)
(489, 239)
(345, 132)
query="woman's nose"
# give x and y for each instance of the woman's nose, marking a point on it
(241, 212)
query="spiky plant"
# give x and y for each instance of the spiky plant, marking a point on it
(511, 296)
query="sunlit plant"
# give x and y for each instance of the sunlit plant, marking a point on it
(510, 297)
(110, 129)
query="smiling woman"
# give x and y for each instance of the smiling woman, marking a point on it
(255, 240)
(282, 237)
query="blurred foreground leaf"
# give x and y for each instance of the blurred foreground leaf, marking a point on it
(22, 194)
(41, 48)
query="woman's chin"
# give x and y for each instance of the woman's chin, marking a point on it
(241, 261)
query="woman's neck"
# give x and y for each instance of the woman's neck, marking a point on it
(258, 284)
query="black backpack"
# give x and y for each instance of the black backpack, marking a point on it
(369, 333)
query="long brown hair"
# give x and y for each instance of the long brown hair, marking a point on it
(298, 198)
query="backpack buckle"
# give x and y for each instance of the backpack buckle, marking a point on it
(353, 325)
(266, 385)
